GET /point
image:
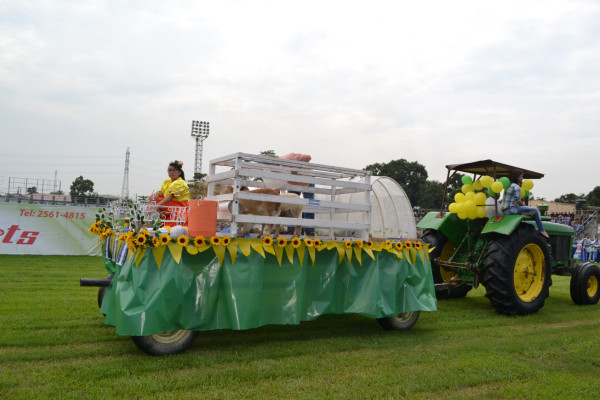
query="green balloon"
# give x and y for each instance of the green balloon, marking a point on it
(505, 182)
(467, 180)
(491, 192)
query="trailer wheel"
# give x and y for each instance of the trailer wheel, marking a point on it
(102, 291)
(401, 322)
(162, 344)
(443, 248)
(517, 272)
(585, 282)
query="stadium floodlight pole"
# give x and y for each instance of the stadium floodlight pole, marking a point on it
(200, 132)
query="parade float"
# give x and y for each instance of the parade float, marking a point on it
(168, 283)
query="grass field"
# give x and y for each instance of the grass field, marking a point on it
(54, 344)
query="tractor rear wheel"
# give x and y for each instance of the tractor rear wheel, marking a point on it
(161, 344)
(517, 272)
(585, 282)
(443, 248)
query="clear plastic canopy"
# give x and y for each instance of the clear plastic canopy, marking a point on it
(391, 212)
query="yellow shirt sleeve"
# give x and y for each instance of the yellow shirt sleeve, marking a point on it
(179, 189)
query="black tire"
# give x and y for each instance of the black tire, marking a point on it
(401, 322)
(443, 249)
(517, 272)
(585, 282)
(102, 291)
(162, 344)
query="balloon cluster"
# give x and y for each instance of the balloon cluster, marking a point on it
(470, 202)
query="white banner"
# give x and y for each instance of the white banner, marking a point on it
(46, 229)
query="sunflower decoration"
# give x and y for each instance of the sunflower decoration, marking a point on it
(215, 240)
(225, 241)
(398, 246)
(145, 232)
(140, 239)
(369, 244)
(348, 244)
(183, 240)
(408, 244)
(387, 244)
(281, 242)
(106, 232)
(318, 243)
(418, 245)
(164, 239)
(199, 241)
(267, 241)
(359, 243)
(155, 242)
(296, 242)
(92, 230)
(122, 237)
(308, 242)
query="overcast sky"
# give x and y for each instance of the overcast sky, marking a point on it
(350, 82)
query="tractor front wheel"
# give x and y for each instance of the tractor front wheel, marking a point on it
(517, 272)
(585, 282)
(444, 249)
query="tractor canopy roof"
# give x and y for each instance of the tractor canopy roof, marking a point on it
(492, 168)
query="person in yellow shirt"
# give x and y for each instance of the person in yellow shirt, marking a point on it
(174, 192)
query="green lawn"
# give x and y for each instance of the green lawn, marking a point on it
(54, 344)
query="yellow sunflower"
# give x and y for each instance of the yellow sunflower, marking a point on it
(199, 241)
(296, 242)
(318, 242)
(140, 239)
(281, 242)
(145, 232)
(359, 243)
(369, 244)
(387, 244)
(215, 240)
(348, 243)
(309, 242)
(418, 245)
(408, 244)
(398, 245)
(155, 242)
(92, 230)
(267, 241)
(183, 240)
(226, 240)
(164, 239)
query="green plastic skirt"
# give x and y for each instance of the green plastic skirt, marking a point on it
(242, 291)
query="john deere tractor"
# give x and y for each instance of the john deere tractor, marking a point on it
(505, 254)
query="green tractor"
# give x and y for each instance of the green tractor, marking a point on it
(507, 256)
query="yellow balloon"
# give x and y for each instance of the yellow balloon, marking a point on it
(470, 196)
(480, 198)
(481, 212)
(459, 197)
(466, 188)
(486, 181)
(477, 185)
(462, 214)
(460, 207)
(527, 184)
(497, 187)
(452, 208)
(522, 192)
(470, 206)
(472, 214)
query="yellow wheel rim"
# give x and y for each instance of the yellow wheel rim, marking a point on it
(592, 286)
(169, 337)
(529, 273)
(448, 275)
